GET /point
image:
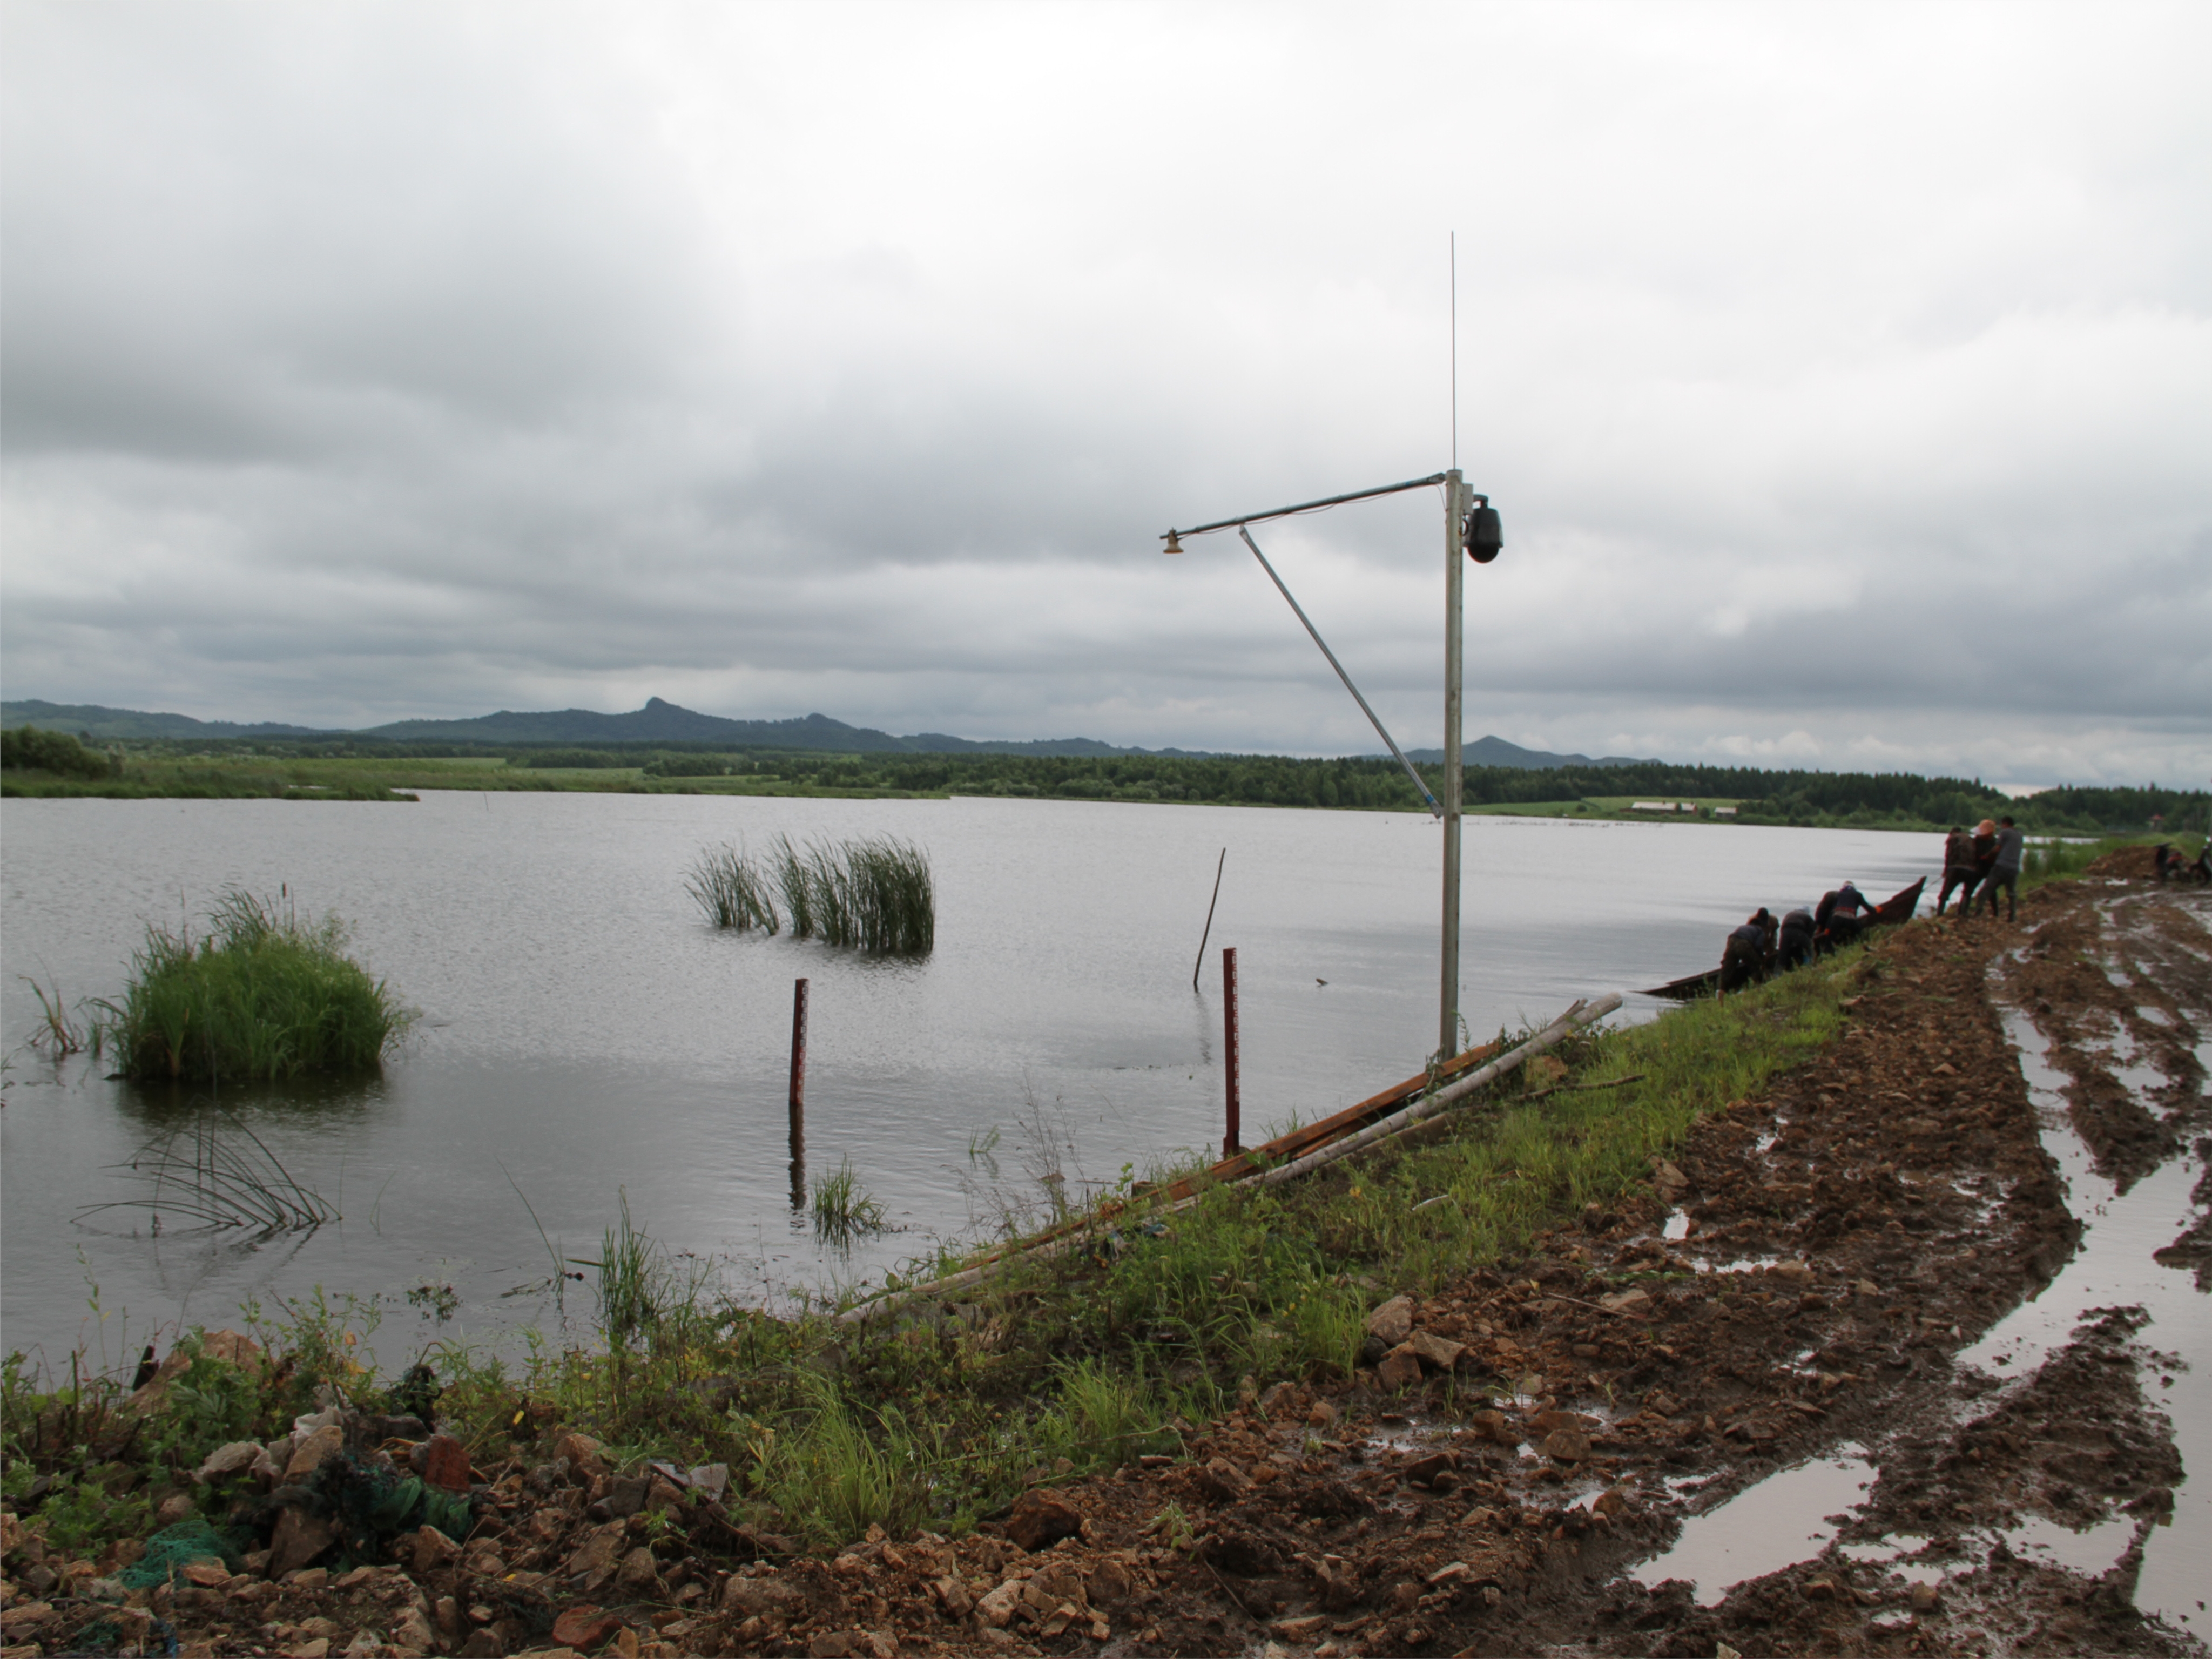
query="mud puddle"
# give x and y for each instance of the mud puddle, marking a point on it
(2113, 1268)
(1782, 1521)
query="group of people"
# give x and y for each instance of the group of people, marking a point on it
(1978, 865)
(1766, 944)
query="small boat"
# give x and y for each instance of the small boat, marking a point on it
(1897, 906)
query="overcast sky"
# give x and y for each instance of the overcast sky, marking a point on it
(1843, 375)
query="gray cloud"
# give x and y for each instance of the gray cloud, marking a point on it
(1840, 373)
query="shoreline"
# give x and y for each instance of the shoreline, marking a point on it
(1349, 1513)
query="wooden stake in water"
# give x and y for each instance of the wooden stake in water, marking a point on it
(1230, 1145)
(797, 1077)
(1210, 903)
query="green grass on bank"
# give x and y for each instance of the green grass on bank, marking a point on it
(939, 1414)
(260, 995)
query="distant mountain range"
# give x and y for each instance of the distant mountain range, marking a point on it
(1496, 751)
(659, 722)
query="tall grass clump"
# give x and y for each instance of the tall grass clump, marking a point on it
(874, 894)
(733, 890)
(650, 1298)
(832, 1480)
(843, 1209)
(260, 995)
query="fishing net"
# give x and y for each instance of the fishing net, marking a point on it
(170, 1550)
(372, 1503)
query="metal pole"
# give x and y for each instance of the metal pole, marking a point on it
(1455, 581)
(1230, 1144)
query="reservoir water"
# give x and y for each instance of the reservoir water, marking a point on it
(586, 1035)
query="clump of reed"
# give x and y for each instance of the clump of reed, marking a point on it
(874, 893)
(650, 1299)
(261, 995)
(57, 1036)
(213, 1180)
(732, 890)
(843, 1209)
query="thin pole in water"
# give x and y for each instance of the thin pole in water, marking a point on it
(798, 1091)
(1210, 903)
(1231, 1143)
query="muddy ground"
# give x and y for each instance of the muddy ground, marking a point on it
(1528, 1445)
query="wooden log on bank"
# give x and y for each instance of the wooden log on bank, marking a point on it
(1428, 1106)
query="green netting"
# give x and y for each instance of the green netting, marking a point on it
(372, 1503)
(168, 1551)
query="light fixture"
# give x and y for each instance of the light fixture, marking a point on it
(1175, 543)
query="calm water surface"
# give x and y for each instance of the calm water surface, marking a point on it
(587, 1035)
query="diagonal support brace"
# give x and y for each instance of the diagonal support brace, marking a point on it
(1434, 806)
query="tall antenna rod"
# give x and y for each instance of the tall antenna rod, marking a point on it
(1454, 348)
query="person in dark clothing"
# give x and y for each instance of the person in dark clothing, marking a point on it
(1745, 958)
(1840, 917)
(2165, 861)
(2004, 871)
(1985, 859)
(2202, 869)
(1793, 948)
(1958, 868)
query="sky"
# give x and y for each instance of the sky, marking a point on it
(1843, 375)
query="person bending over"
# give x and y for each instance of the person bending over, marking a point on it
(1744, 956)
(1958, 868)
(1794, 948)
(1841, 917)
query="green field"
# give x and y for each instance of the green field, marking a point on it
(48, 764)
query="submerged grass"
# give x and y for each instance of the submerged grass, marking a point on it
(874, 893)
(732, 890)
(207, 1177)
(261, 995)
(58, 1034)
(844, 1209)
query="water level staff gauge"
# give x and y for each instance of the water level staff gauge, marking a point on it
(1472, 528)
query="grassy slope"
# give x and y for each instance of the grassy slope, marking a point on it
(1091, 1357)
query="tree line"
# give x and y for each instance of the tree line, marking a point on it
(1825, 800)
